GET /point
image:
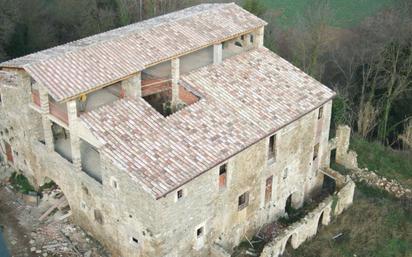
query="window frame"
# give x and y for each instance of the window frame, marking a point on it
(272, 148)
(223, 170)
(179, 194)
(245, 202)
(315, 152)
(320, 113)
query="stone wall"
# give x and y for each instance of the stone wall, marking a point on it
(113, 216)
(348, 158)
(299, 232)
(118, 215)
(205, 205)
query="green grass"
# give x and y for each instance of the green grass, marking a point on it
(385, 161)
(376, 225)
(346, 13)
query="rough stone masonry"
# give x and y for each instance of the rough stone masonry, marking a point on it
(146, 182)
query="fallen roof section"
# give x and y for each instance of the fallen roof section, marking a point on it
(244, 99)
(83, 65)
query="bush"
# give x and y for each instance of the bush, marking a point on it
(21, 183)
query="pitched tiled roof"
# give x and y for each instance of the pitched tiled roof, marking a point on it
(83, 65)
(244, 99)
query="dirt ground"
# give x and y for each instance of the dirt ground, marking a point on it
(55, 235)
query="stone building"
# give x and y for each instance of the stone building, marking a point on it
(169, 136)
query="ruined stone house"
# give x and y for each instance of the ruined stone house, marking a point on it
(169, 136)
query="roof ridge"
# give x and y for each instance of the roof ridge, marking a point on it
(114, 33)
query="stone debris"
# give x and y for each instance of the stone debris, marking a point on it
(48, 227)
(390, 185)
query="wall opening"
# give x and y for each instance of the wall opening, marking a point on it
(320, 221)
(288, 247)
(222, 176)
(288, 206)
(320, 113)
(243, 201)
(329, 185)
(53, 201)
(179, 194)
(90, 160)
(315, 151)
(268, 189)
(200, 232)
(98, 217)
(9, 152)
(61, 138)
(333, 156)
(272, 151)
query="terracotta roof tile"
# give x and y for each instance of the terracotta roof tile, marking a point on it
(245, 98)
(83, 65)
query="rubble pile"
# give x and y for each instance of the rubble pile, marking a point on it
(44, 226)
(390, 185)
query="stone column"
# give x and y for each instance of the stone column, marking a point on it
(259, 35)
(74, 138)
(217, 53)
(342, 142)
(48, 133)
(246, 41)
(47, 125)
(133, 86)
(175, 67)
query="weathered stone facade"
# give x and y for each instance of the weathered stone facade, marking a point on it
(128, 212)
(299, 232)
(204, 211)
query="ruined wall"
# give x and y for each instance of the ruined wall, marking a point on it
(307, 227)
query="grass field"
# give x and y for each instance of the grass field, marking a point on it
(346, 13)
(385, 161)
(377, 225)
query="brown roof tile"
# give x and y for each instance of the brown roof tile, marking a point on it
(244, 99)
(83, 65)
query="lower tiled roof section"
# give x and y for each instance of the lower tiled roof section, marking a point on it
(244, 99)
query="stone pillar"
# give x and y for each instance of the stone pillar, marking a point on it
(344, 156)
(47, 125)
(342, 142)
(259, 36)
(74, 138)
(48, 133)
(133, 86)
(44, 100)
(175, 67)
(217, 53)
(246, 41)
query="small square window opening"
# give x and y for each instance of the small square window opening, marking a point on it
(199, 232)
(320, 113)
(315, 151)
(243, 201)
(272, 151)
(222, 176)
(179, 194)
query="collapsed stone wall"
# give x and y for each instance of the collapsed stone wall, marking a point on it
(348, 158)
(389, 185)
(299, 232)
